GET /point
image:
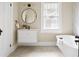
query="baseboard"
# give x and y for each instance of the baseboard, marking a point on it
(38, 44)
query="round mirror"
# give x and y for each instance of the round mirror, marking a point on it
(29, 15)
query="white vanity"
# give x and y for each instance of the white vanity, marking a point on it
(27, 36)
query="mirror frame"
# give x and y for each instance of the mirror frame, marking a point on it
(34, 18)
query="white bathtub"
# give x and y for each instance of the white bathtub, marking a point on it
(67, 45)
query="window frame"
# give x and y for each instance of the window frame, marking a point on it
(60, 20)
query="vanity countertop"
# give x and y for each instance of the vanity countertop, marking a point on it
(30, 29)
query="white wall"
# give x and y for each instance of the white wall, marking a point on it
(76, 18)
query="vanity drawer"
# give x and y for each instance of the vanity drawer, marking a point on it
(27, 36)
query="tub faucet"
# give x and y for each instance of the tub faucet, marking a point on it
(77, 42)
(77, 39)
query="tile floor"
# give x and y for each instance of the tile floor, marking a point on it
(24, 51)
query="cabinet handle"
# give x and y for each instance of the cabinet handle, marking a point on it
(0, 31)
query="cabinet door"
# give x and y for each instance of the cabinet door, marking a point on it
(27, 36)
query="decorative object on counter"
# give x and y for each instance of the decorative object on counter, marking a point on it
(26, 27)
(17, 24)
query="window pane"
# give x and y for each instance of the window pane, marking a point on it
(50, 14)
(51, 9)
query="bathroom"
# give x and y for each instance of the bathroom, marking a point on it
(26, 31)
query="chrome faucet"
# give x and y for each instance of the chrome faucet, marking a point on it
(77, 42)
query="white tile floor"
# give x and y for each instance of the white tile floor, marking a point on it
(36, 52)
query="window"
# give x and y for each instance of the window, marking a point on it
(50, 17)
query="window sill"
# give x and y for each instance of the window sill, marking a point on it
(51, 31)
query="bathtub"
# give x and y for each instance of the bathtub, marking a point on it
(67, 45)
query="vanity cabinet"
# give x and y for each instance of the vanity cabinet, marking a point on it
(27, 36)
